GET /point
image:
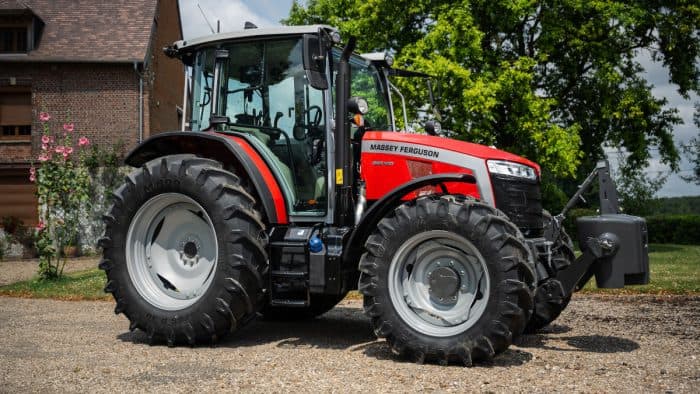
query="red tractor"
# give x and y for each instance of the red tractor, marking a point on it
(294, 187)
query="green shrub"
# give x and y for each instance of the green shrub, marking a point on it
(675, 229)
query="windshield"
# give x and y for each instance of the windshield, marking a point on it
(265, 94)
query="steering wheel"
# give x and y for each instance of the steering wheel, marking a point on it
(316, 117)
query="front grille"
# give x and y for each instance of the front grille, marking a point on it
(521, 200)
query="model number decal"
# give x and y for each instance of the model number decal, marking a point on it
(408, 149)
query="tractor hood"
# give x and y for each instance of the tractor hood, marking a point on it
(467, 148)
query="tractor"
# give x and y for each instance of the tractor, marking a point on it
(294, 187)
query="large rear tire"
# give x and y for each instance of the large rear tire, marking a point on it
(447, 279)
(550, 297)
(184, 251)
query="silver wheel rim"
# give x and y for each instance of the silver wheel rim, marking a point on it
(421, 295)
(171, 251)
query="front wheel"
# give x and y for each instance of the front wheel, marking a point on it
(446, 279)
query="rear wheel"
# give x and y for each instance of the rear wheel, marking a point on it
(446, 279)
(550, 297)
(184, 251)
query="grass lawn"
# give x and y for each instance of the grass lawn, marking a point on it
(675, 269)
(83, 285)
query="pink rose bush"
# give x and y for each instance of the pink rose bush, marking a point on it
(63, 184)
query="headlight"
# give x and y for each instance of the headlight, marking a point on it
(358, 105)
(511, 169)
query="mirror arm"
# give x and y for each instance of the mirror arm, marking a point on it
(403, 105)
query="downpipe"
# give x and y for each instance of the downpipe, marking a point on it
(140, 75)
(344, 175)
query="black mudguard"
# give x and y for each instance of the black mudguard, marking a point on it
(207, 145)
(355, 245)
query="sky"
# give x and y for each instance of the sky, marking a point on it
(232, 14)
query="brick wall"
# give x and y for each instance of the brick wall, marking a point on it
(165, 75)
(14, 152)
(101, 99)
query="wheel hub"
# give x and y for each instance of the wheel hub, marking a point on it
(171, 251)
(189, 250)
(444, 285)
(438, 283)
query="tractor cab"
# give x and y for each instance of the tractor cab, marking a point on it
(277, 87)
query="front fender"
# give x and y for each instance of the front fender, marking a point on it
(386, 204)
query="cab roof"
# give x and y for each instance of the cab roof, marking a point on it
(250, 33)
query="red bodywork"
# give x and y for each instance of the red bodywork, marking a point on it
(390, 159)
(275, 191)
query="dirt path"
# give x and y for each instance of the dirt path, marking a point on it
(15, 271)
(599, 344)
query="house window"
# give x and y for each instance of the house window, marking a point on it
(13, 40)
(15, 115)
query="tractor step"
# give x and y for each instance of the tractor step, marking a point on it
(289, 303)
(289, 274)
(289, 267)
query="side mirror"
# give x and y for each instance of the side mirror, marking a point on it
(315, 62)
(432, 127)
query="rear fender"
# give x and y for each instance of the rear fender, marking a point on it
(233, 152)
(389, 202)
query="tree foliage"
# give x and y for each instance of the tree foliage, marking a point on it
(551, 80)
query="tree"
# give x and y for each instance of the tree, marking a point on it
(637, 189)
(551, 80)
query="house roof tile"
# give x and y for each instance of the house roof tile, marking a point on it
(88, 30)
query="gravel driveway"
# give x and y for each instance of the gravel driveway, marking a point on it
(600, 343)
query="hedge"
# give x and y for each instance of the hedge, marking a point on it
(674, 229)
